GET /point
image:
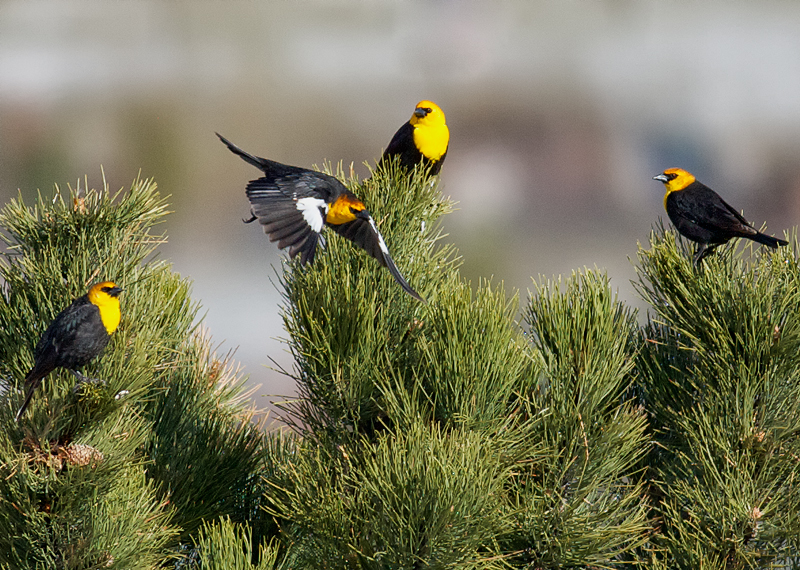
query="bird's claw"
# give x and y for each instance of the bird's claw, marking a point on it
(84, 380)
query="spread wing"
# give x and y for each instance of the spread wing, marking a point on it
(289, 202)
(291, 210)
(363, 232)
(292, 205)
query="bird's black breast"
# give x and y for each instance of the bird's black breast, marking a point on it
(402, 145)
(74, 337)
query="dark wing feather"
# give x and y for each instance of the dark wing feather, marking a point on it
(297, 237)
(301, 184)
(402, 139)
(363, 232)
(307, 249)
(707, 209)
(394, 272)
(402, 145)
(273, 201)
(75, 336)
(736, 214)
(437, 166)
(284, 223)
(716, 221)
(284, 228)
(360, 232)
(719, 212)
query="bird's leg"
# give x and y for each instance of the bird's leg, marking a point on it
(702, 251)
(85, 380)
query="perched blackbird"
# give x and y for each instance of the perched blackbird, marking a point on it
(77, 335)
(699, 214)
(425, 137)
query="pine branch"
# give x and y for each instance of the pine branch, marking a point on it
(101, 477)
(579, 499)
(340, 309)
(720, 379)
(225, 545)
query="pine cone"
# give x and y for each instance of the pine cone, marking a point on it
(81, 455)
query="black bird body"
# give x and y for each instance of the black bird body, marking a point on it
(76, 336)
(402, 145)
(700, 214)
(293, 204)
(424, 138)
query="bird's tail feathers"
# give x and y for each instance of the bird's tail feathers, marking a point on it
(769, 240)
(260, 163)
(32, 382)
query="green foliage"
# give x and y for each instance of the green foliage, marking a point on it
(338, 311)
(57, 249)
(117, 473)
(579, 499)
(62, 511)
(720, 375)
(206, 460)
(475, 364)
(438, 435)
(225, 545)
(417, 497)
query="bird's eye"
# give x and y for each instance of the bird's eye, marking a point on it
(428, 110)
(671, 176)
(106, 289)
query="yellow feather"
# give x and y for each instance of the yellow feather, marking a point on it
(108, 305)
(682, 180)
(431, 135)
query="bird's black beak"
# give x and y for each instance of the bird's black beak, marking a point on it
(115, 291)
(420, 112)
(661, 178)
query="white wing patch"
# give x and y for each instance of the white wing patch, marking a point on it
(312, 212)
(381, 243)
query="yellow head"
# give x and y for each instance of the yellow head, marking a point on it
(344, 210)
(427, 114)
(104, 296)
(674, 179)
(431, 135)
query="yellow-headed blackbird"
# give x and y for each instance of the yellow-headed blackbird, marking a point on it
(699, 214)
(293, 204)
(77, 335)
(425, 137)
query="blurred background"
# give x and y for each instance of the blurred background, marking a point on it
(560, 113)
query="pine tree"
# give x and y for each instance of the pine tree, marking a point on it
(447, 435)
(720, 375)
(120, 474)
(462, 433)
